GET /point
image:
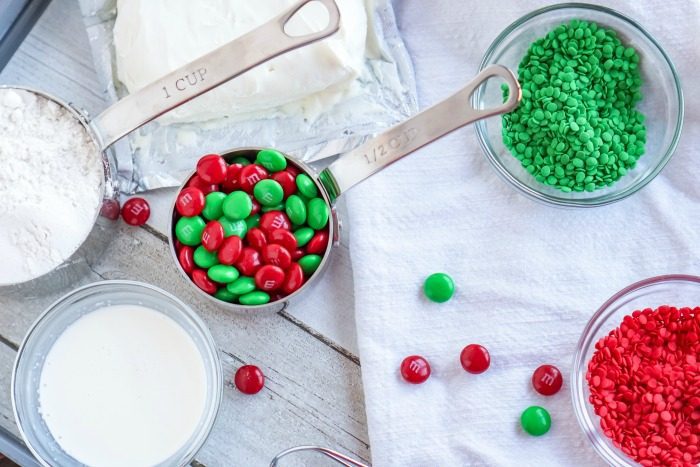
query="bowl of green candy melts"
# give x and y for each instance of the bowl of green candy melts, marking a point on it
(601, 110)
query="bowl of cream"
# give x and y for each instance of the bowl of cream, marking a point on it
(117, 373)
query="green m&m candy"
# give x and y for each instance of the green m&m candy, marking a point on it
(242, 285)
(253, 221)
(241, 160)
(237, 205)
(317, 214)
(276, 207)
(222, 273)
(309, 263)
(254, 298)
(213, 205)
(204, 258)
(268, 192)
(225, 295)
(189, 230)
(295, 209)
(272, 160)
(238, 228)
(439, 287)
(306, 186)
(536, 421)
(303, 235)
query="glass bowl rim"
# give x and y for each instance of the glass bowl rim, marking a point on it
(578, 367)
(602, 200)
(210, 413)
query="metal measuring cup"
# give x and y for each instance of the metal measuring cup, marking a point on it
(353, 167)
(172, 90)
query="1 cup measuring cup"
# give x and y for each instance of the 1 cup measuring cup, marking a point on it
(348, 170)
(172, 90)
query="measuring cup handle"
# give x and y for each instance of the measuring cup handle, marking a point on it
(425, 127)
(209, 71)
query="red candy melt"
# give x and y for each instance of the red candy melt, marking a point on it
(415, 369)
(475, 359)
(547, 380)
(136, 211)
(644, 381)
(249, 379)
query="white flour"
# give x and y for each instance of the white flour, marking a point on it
(51, 182)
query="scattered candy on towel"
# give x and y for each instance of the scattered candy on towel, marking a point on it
(535, 421)
(475, 359)
(577, 127)
(644, 381)
(547, 380)
(415, 369)
(439, 287)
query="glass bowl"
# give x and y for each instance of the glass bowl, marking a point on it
(61, 314)
(673, 290)
(662, 103)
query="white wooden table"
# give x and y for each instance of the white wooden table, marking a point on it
(313, 393)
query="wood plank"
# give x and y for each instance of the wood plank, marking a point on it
(313, 392)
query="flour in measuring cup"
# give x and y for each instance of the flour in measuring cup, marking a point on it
(51, 182)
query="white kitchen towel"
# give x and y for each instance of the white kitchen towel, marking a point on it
(528, 276)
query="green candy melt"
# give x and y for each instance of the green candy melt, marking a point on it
(577, 127)
(188, 230)
(213, 205)
(268, 192)
(242, 285)
(295, 209)
(254, 298)
(272, 160)
(317, 213)
(204, 258)
(222, 273)
(237, 205)
(309, 264)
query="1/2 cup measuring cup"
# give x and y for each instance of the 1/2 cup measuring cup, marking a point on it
(372, 156)
(172, 90)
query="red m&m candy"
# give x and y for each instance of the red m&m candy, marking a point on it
(475, 359)
(293, 279)
(248, 262)
(212, 168)
(284, 238)
(287, 180)
(213, 235)
(269, 277)
(136, 211)
(318, 243)
(232, 181)
(415, 369)
(230, 250)
(249, 379)
(256, 238)
(190, 202)
(201, 280)
(547, 380)
(197, 182)
(186, 258)
(276, 255)
(273, 220)
(250, 175)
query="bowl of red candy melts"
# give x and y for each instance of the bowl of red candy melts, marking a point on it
(636, 374)
(250, 227)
